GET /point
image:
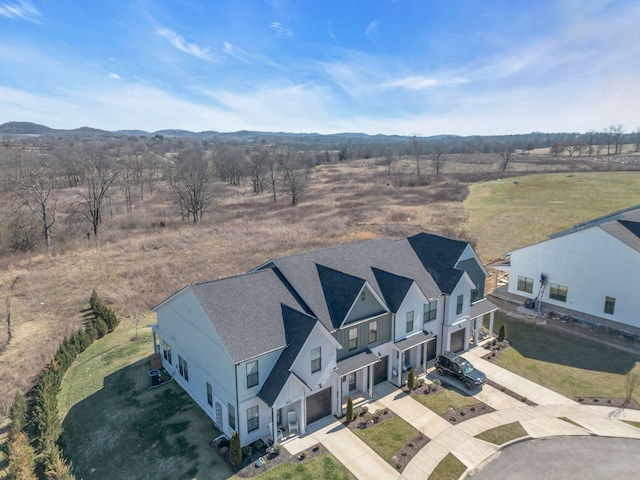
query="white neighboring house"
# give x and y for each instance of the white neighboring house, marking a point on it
(269, 352)
(592, 271)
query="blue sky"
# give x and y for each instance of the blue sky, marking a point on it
(374, 66)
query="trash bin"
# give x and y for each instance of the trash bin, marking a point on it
(154, 378)
(529, 303)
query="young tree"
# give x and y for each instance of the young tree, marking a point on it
(295, 175)
(437, 151)
(502, 333)
(256, 154)
(193, 184)
(349, 410)
(506, 155)
(21, 458)
(235, 452)
(35, 193)
(387, 153)
(411, 379)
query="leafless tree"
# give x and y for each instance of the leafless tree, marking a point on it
(591, 140)
(637, 139)
(272, 157)
(256, 154)
(417, 149)
(35, 193)
(193, 184)
(437, 151)
(387, 154)
(295, 174)
(506, 155)
(99, 175)
(617, 132)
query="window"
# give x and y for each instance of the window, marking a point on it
(459, 304)
(183, 367)
(252, 374)
(353, 339)
(609, 305)
(474, 295)
(525, 284)
(373, 331)
(252, 419)
(232, 416)
(209, 394)
(558, 292)
(363, 295)
(430, 311)
(166, 351)
(410, 321)
(316, 359)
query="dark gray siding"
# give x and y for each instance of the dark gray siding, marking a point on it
(384, 335)
(475, 271)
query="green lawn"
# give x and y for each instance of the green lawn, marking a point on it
(569, 365)
(450, 468)
(388, 437)
(116, 427)
(323, 467)
(445, 399)
(503, 433)
(504, 215)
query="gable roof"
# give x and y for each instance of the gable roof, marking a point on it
(297, 326)
(340, 290)
(626, 231)
(439, 255)
(357, 260)
(231, 304)
(394, 288)
(631, 213)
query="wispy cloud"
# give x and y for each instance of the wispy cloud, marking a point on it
(23, 9)
(180, 43)
(114, 76)
(280, 30)
(371, 30)
(415, 82)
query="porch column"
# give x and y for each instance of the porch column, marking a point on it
(476, 330)
(274, 425)
(340, 396)
(303, 420)
(424, 356)
(370, 369)
(491, 324)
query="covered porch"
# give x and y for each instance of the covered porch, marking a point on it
(412, 352)
(477, 315)
(355, 376)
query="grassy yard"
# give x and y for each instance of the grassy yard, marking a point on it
(503, 433)
(388, 437)
(324, 467)
(450, 468)
(115, 427)
(445, 399)
(569, 365)
(504, 215)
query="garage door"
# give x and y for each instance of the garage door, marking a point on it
(380, 370)
(457, 341)
(318, 405)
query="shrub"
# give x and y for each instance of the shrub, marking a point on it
(277, 448)
(419, 382)
(18, 412)
(411, 379)
(235, 452)
(258, 444)
(349, 410)
(502, 334)
(101, 327)
(247, 450)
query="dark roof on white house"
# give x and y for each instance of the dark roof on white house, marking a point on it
(246, 312)
(631, 213)
(394, 288)
(297, 327)
(626, 231)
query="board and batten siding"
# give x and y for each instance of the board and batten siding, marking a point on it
(476, 272)
(384, 335)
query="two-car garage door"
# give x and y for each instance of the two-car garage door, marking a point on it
(318, 405)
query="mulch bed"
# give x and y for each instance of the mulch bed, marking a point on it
(453, 415)
(366, 419)
(609, 402)
(248, 469)
(511, 393)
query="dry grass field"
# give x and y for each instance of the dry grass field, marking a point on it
(135, 263)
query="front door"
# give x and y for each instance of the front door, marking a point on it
(380, 370)
(352, 381)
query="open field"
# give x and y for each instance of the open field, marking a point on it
(137, 262)
(115, 427)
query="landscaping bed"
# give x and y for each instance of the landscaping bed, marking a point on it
(511, 393)
(609, 402)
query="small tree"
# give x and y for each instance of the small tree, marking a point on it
(21, 458)
(349, 410)
(235, 451)
(411, 379)
(502, 334)
(18, 412)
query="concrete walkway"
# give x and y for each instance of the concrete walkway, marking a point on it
(554, 415)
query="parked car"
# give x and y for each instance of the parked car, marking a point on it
(456, 366)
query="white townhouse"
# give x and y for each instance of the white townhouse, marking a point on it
(591, 272)
(274, 350)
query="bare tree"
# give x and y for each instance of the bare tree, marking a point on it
(257, 166)
(387, 153)
(193, 184)
(617, 132)
(506, 155)
(591, 139)
(417, 148)
(273, 156)
(295, 175)
(637, 139)
(35, 194)
(99, 176)
(437, 151)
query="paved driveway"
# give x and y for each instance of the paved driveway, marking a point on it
(566, 458)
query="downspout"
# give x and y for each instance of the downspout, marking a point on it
(236, 406)
(444, 316)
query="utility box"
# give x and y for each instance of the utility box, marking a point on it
(529, 303)
(154, 378)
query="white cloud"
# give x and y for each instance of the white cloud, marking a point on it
(415, 82)
(114, 76)
(371, 30)
(180, 43)
(23, 9)
(280, 30)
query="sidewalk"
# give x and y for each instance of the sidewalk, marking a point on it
(547, 419)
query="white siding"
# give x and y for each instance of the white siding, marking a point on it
(265, 365)
(592, 264)
(414, 301)
(302, 364)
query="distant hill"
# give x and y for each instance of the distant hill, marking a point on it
(24, 128)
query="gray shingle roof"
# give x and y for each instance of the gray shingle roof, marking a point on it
(356, 362)
(394, 288)
(631, 213)
(297, 327)
(626, 231)
(246, 312)
(340, 289)
(439, 255)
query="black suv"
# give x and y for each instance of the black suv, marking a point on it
(456, 366)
